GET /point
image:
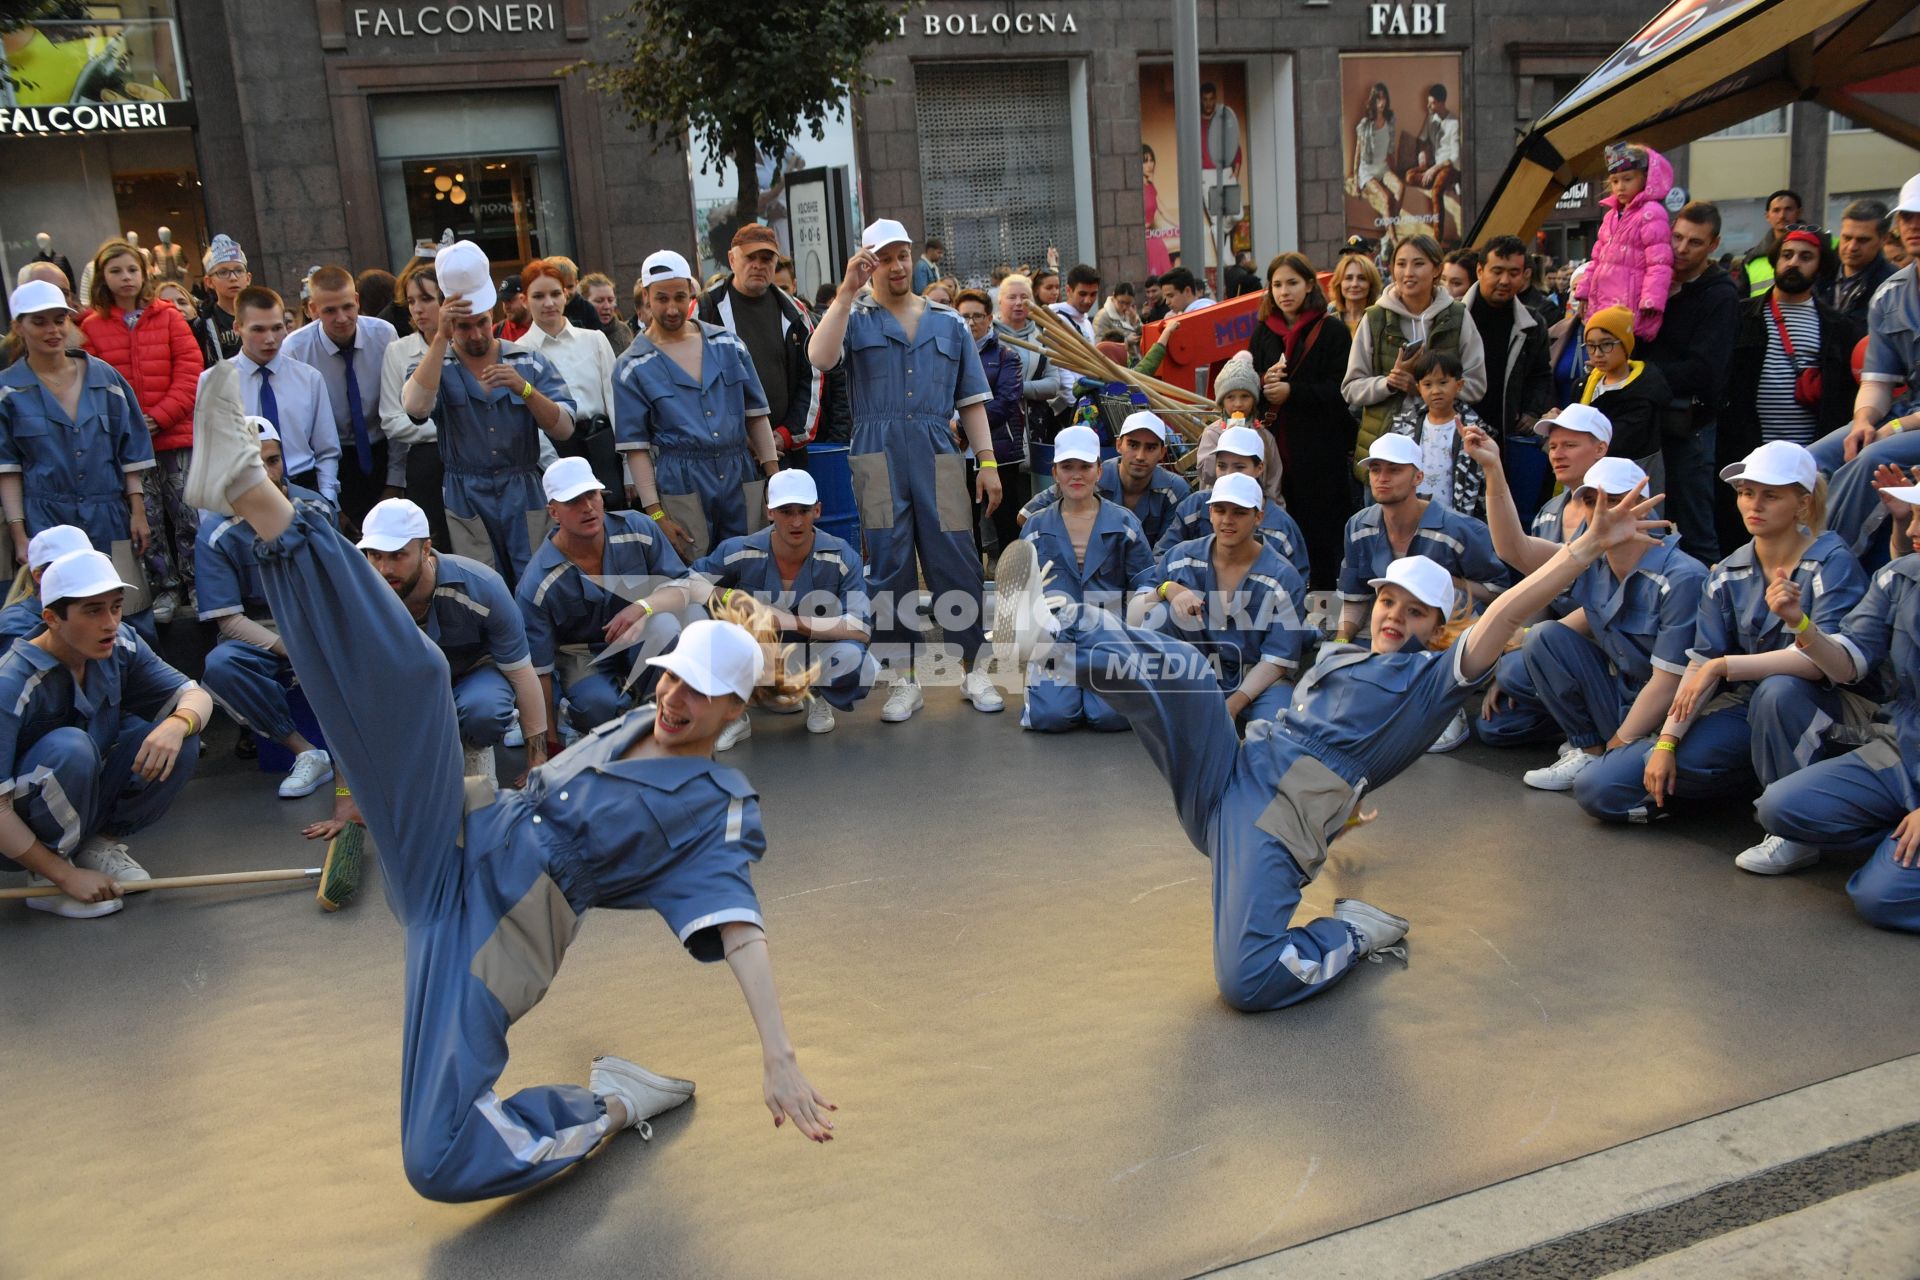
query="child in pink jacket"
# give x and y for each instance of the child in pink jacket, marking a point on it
(1633, 256)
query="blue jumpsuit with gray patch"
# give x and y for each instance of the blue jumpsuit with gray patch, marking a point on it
(1753, 733)
(831, 584)
(490, 447)
(697, 429)
(1265, 810)
(474, 621)
(1856, 800)
(1261, 622)
(566, 613)
(1457, 543)
(1155, 511)
(490, 899)
(1117, 565)
(68, 752)
(1191, 520)
(909, 477)
(1522, 718)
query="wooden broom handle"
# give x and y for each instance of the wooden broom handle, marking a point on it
(178, 882)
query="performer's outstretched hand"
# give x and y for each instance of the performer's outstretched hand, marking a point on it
(790, 1097)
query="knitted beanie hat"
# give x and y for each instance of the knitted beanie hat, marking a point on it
(1237, 375)
(1617, 321)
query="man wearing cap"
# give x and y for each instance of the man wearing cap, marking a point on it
(349, 350)
(465, 608)
(1238, 451)
(691, 416)
(22, 618)
(491, 401)
(286, 392)
(814, 583)
(775, 330)
(512, 296)
(599, 578)
(1134, 480)
(224, 268)
(912, 368)
(98, 735)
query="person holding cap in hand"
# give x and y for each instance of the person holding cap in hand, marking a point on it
(21, 617)
(912, 368)
(635, 816)
(691, 416)
(813, 585)
(1134, 480)
(1238, 450)
(99, 736)
(490, 401)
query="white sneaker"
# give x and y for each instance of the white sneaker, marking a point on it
(783, 708)
(904, 699)
(819, 716)
(164, 607)
(979, 690)
(1022, 618)
(735, 732)
(479, 764)
(643, 1093)
(110, 858)
(224, 444)
(60, 904)
(516, 737)
(311, 771)
(1455, 733)
(1380, 931)
(1777, 855)
(1559, 775)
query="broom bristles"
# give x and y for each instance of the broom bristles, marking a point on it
(340, 874)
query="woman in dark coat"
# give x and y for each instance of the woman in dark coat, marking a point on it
(1300, 352)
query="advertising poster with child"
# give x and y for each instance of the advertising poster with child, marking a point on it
(1405, 146)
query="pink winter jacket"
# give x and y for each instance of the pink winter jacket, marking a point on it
(1633, 256)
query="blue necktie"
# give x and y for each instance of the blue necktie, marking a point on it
(269, 405)
(362, 446)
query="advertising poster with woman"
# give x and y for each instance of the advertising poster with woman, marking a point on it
(1223, 112)
(1404, 144)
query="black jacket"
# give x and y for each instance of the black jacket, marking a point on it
(805, 384)
(1740, 420)
(1635, 410)
(1849, 295)
(1529, 391)
(1695, 340)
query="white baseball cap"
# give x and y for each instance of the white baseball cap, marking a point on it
(78, 575)
(264, 426)
(53, 542)
(1613, 476)
(1579, 417)
(464, 272)
(392, 524)
(1395, 448)
(1425, 580)
(35, 296)
(1776, 462)
(1077, 444)
(1909, 196)
(715, 657)
(1241, 489)
(792, 488)
(883, 232)
(568, 478)
(1907, 493)
(663, 265)
(1242, 442)
(1144, 420)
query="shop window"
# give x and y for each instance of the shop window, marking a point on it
(488, 166)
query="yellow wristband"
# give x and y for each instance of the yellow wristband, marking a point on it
(185, 718)
(526, 390)
(1806, 620)
(341, 793)
(1666, 744)
(644, 605)
(1163, 589)
(661, 514)
(726, 596)
(990, 462)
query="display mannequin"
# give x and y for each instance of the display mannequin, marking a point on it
(169, 261)
(146, 255)
(43, 243)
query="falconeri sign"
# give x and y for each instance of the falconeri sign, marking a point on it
(451, 19)
(93, 117)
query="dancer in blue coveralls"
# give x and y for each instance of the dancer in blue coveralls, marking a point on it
(598, 578)
(1869, 798)
(1265, 810)
(1100, 558)
(1239, 451)
(98, 736)
(73, 444)
(812, 584)
(21, 618)
(1777, 713)
(636, 815)
(911, 369)
(1231, 595)
(688, 392)
(1134, 480)
(490, 401)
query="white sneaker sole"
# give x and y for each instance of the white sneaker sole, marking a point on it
(1017, 568)
(895, 715)
(71, 909)
(652, 1094)
(295, 792)
(1771, 868)
(1354, 911)
(224, 446)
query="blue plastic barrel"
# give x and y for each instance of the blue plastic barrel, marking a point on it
(833, 477)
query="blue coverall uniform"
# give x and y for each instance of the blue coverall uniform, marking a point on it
(1281, 531)
(1164, 493)
(1263, 621)
(1117, 565)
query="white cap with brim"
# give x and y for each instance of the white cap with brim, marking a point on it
(1909, 196)
(715, 658)
(1143, 420)
(883, 232)
(1241, 442)
(53, 542)
(79, 575)
(392, 524)
(1579, 417)
(1241, 490)
(1612, 476)
(568, 478)
(663, 265)
(1423, 579)
(1907, 493)
(1076, 444)
(1397, 449)
(35, 296)
(264, 426)
(792, 488)
(1775, 462)
(464, 272)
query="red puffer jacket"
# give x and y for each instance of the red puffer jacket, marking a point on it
(159, 356)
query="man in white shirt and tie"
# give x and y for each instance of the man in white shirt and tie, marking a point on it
(289, 394)
(348, 349)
